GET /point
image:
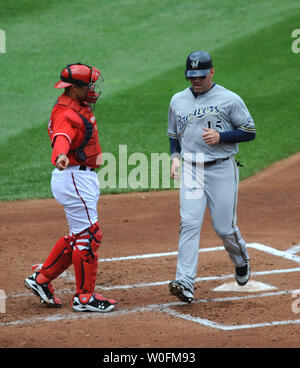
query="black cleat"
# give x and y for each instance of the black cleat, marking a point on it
(242, 274)
(178, 289)
(44, 291)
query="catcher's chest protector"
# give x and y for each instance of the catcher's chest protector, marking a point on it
(79, 117)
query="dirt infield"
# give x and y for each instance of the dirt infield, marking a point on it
(146, 315)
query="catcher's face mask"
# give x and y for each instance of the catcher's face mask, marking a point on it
(95, 87)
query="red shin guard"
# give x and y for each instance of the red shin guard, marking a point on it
(59, 259)
(85, 259)
(85, 272)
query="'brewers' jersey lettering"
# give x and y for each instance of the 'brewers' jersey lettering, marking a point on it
(218, 109)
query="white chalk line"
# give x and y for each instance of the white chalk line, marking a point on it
(165, 308)
(162, 283)
(219, 326)
(289, 254)
(295, 249)
(284, 254)
(275, 252)
(154, 255)
(199, 279)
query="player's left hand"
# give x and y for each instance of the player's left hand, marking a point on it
(211, 136)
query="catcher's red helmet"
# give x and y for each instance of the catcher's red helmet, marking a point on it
(79, 74)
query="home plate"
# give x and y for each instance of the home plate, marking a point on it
(250, 287)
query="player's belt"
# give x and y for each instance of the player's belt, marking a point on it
(210, 163)
(85, 168)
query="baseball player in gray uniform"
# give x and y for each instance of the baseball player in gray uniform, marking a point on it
(206, 123)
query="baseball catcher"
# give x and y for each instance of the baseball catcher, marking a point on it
(76, 154)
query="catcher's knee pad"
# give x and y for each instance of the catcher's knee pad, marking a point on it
(85, 259)
(59, 259)
(96, 236)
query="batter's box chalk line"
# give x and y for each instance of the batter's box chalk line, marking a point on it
(264, 248)
(294, 249)
(284, 254)
(167, 307)
(289, 254)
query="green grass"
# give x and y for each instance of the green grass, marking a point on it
(141, 49)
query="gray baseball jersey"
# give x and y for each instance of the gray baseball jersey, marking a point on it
(219, 109)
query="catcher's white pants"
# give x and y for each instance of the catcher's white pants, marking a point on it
(78, 191)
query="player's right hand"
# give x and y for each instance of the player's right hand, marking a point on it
(175, 165)
(62, 162)
(211, 136)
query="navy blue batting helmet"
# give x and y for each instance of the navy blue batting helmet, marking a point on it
(198, 64)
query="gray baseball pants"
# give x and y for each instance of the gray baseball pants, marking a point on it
(214, 186)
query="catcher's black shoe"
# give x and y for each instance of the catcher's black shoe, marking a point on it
(44, 291)
(242, 274)
(92, 303)
(180, 290)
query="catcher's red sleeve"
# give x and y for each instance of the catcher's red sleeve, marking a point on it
(61, 145)
(62, 126)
